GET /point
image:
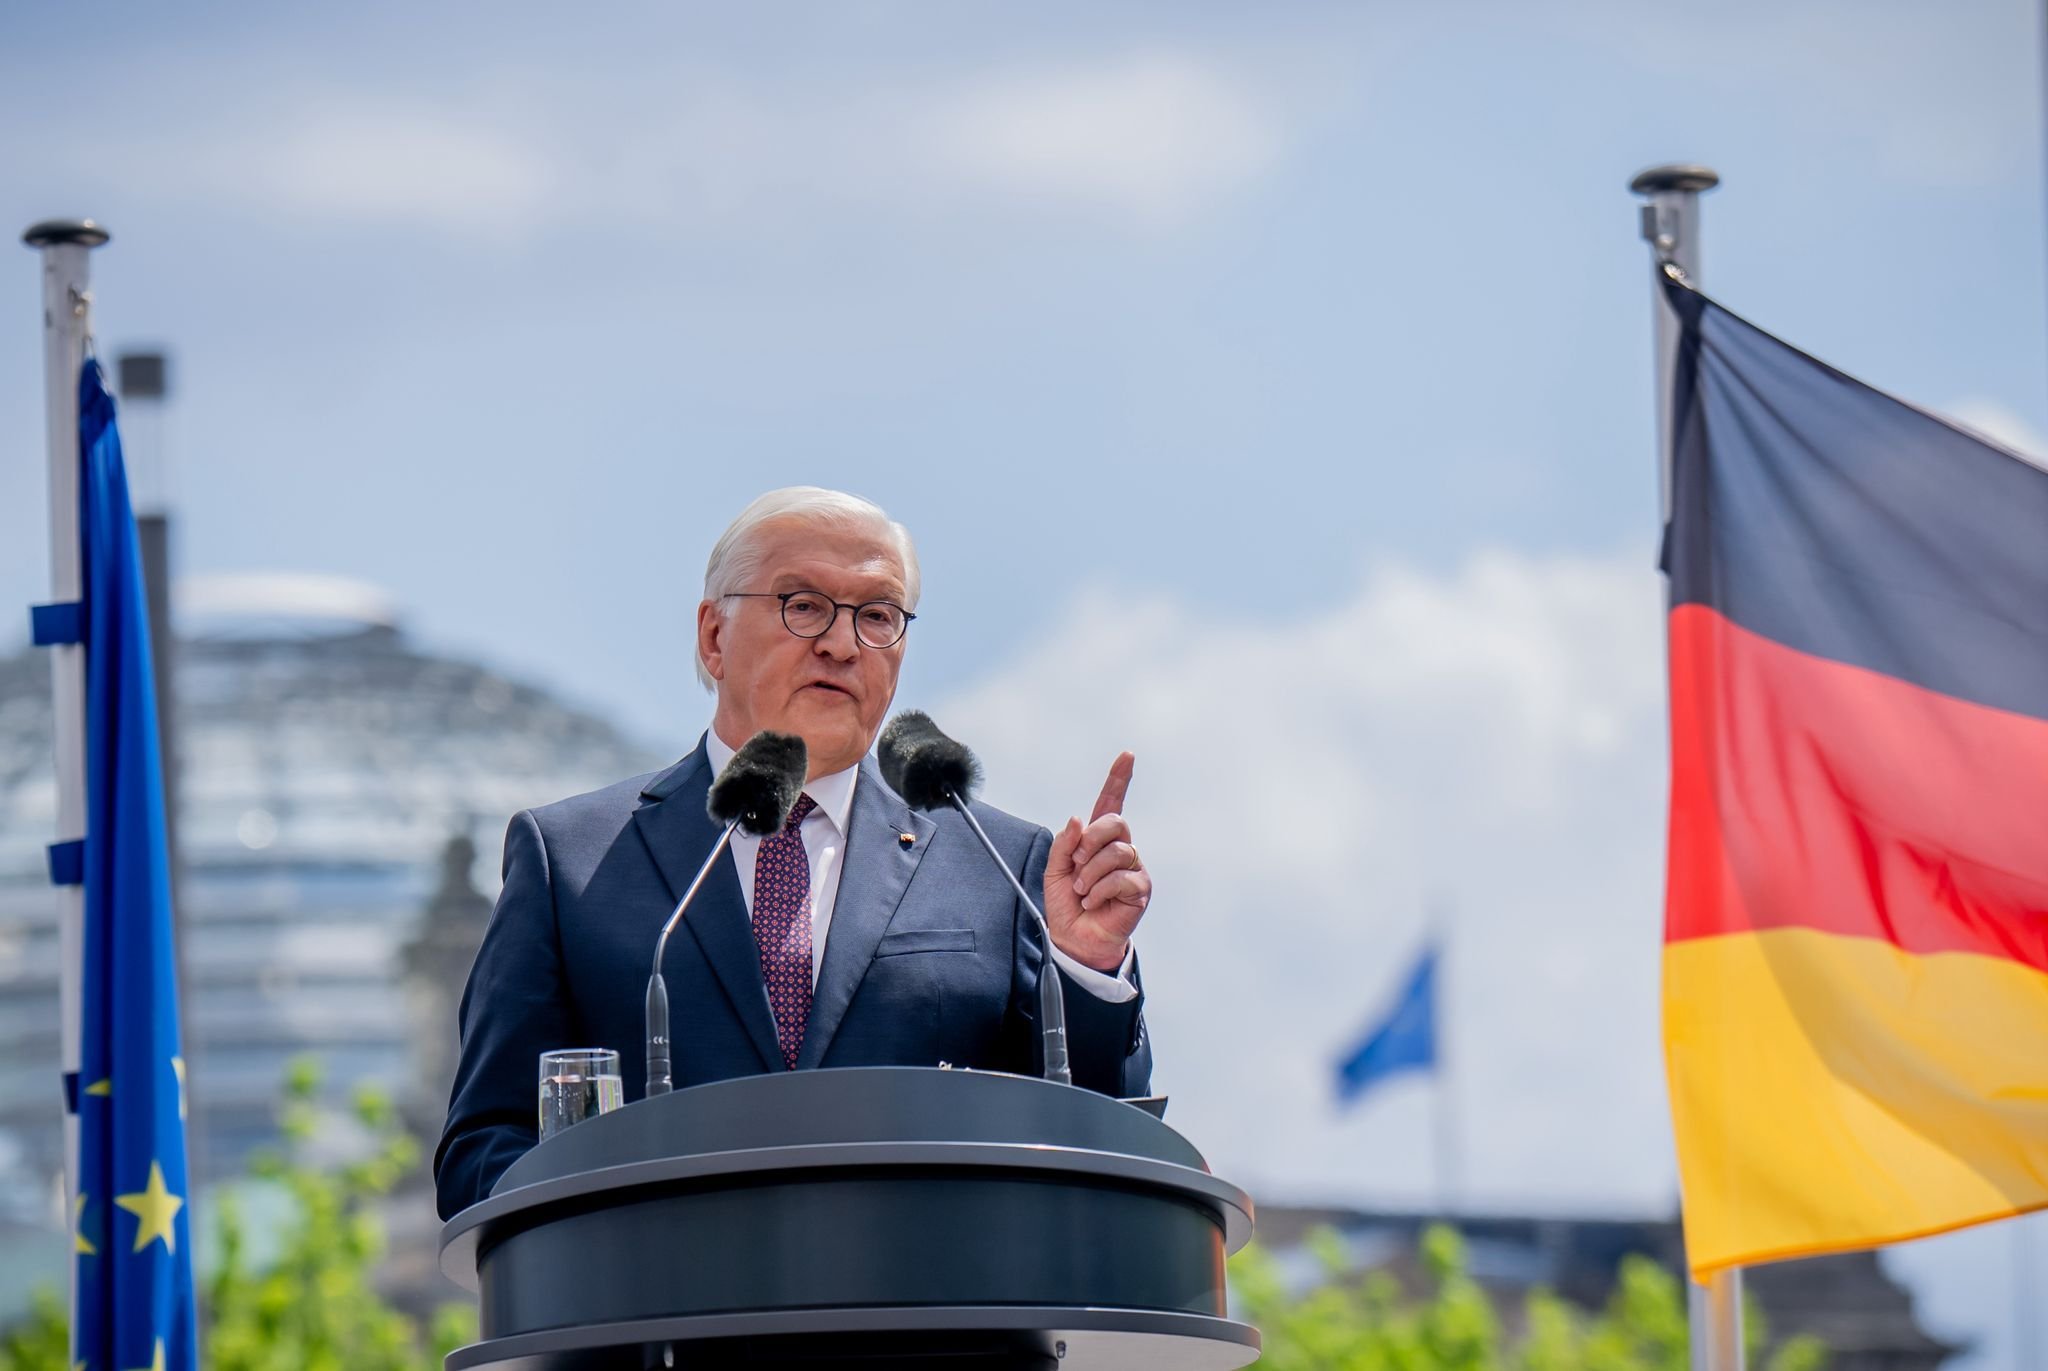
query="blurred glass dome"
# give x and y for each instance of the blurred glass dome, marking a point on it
(325, 764)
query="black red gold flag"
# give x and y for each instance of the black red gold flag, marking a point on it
(1856, 923)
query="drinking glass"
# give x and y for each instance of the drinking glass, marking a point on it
(578, 1083)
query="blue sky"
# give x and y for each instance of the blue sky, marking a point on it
(1266, 386)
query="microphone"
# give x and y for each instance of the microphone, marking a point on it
(930, 770)
(756, 791)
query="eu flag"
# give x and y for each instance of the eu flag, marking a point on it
(1404, 1039)
(133, 1245)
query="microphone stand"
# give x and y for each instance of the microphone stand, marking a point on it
(660, 1079)
(1052, 1000)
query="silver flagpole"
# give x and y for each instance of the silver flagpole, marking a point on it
(1671, 225)
(1449, 1171)
(66, 245)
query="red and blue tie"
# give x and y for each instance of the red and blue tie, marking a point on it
(782, 928)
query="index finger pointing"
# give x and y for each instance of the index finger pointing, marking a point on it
(1111, 801)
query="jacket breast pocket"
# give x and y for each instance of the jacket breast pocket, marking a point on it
(926, 940)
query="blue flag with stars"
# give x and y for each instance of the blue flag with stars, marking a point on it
(133, 1243)
(1403, 1040)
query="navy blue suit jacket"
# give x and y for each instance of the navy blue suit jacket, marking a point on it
(930, 957)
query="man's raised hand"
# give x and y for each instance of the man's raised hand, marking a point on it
(1096, 885)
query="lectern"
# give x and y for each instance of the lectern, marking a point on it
(916, 1219)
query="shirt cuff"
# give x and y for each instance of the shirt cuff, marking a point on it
(1115, 989)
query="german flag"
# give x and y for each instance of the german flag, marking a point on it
(1856, 916)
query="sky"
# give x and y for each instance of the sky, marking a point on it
(1268, 389)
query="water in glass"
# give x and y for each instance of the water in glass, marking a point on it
(578, 1084)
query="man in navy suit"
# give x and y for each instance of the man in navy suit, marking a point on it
(862, 935)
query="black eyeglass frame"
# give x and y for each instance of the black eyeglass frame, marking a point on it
(785, 596)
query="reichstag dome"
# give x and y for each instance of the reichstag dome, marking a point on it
(336, 779)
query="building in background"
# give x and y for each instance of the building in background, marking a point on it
(328, 767)
(1865, 1318)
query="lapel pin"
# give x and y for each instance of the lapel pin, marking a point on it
(907, 839)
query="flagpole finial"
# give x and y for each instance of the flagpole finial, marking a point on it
(1670, 221)
(1678, 176)
(55, 232)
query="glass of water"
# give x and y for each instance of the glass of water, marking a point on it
(578, 1083)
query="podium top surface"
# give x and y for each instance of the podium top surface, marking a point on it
(870, 1104)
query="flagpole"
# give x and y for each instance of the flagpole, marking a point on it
(1671, 225)
(1443, 1111)
(66, 246)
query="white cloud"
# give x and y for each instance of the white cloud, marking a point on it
(1491, 739)
(1142, 140)
(1154, 134)
(394, 164)
(348, 158)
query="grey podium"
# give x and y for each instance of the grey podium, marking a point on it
(854, 1220)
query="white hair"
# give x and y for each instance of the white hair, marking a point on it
(736, 557)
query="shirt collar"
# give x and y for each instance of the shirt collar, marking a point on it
(833, 795)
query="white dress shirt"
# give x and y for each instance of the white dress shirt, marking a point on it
(824, 833)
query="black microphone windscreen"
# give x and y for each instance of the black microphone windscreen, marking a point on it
(761, 783)
(923, 765)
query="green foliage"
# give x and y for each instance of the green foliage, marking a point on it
(41, 1342)
(1351, 1324)
(315, 1306)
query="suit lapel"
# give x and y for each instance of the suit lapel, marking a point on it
(873, 875)
(678, 834)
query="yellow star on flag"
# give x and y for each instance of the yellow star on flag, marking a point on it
(156, 1363)
(101, 1088)
(156, 1207)
(80, 1243)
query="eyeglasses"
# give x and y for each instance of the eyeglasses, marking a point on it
(811, 614)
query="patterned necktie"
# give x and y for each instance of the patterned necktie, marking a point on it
(782, 928)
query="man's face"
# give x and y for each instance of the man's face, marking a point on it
(834, 691)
